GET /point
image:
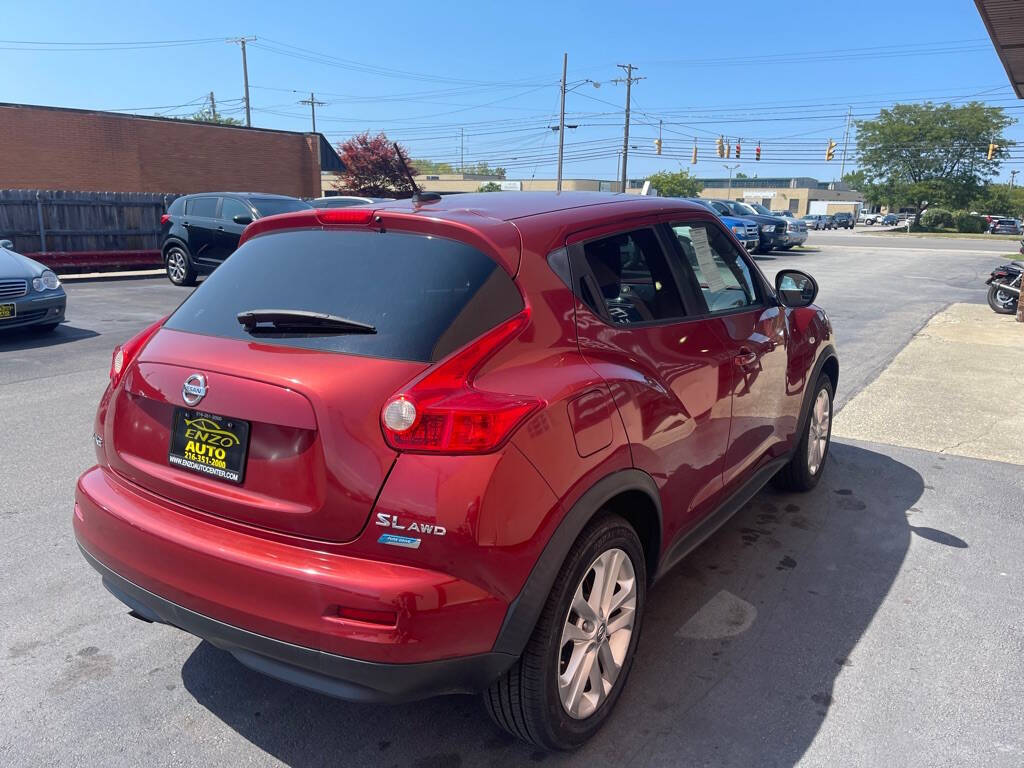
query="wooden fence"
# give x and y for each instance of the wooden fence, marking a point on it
(41, 221)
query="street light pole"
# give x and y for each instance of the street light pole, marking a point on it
(561, 123)
(730, 169)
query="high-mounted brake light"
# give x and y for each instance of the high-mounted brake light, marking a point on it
(127, 352)
(312, 217)
(442, 412)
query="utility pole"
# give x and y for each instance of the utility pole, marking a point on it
(846, 138)
(462, 150)
(213, 110)
(245, 76)
(730, 169)
(313, 104)
(561, 123)
(1013, 176)
(628, 80)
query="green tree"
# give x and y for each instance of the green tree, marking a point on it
(675, 184)
(1000, 199)
(429, 166)
(931, 154)
(208, 115)
(490, 186)
(854, 179)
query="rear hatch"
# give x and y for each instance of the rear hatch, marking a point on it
(286, 435)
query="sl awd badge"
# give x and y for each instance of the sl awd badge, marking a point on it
(410, 542)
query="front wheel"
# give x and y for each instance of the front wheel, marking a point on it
(574, 667)
(1002, 301)
(808, 461)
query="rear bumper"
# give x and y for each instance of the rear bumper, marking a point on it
(331, 674)
(290, 593)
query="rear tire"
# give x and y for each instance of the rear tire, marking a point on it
(179, 266)
(807, 464)
(1001, 301)
(540, 700)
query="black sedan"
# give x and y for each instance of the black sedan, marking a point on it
(30, 294)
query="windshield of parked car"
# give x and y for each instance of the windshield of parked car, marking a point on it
(268, 206)
(741, 209)
(764, 211)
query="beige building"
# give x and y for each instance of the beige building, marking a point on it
(794, 195)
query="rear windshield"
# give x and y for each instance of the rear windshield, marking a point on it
(268, 206)
(427, 296)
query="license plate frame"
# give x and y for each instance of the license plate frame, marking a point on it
(209, 444)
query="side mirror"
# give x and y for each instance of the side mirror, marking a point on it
(7, 244)
(795, 288)
(242, 219)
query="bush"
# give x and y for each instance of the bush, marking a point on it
(966, 222)
(937, 218)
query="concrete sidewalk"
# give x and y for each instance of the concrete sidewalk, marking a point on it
(957, 388)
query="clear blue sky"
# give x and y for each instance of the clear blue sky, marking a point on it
(424, 71)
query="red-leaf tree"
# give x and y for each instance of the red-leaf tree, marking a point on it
(372, 168)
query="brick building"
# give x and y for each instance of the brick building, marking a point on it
(75, 149)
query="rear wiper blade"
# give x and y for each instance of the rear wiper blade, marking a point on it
(299, 321)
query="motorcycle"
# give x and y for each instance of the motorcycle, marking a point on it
(1004, 286)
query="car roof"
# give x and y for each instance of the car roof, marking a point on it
(241, 194)
(509, 206)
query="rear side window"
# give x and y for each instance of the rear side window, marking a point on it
(426, 296)
(177, 207)
(201, 206)
(723, 275)
(269, 206)
(633, 277)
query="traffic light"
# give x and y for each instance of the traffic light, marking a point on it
(831, 151)
(737, 150)
(657, 146)
(757, 152)
(693, 160)
(721, 147)
(728, 149)
(992, 150)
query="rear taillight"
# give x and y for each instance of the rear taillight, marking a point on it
(164, 218)
(124, 354)
(441, 412)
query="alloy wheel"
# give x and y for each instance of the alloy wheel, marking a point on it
(817, 439)
(596, 634)
(176, 265)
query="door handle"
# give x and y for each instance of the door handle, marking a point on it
(185, 224)
(220, 229)
(745, 358)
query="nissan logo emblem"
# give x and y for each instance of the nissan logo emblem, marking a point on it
(194, 389)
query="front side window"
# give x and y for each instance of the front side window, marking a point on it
(232, 208)
(201, 206)
(723, 275)
(633, 278)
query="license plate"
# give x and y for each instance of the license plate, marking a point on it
(8, 311)
(209, 445)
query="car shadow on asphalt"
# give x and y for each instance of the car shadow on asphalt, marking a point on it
(741, 648)
(32, 338)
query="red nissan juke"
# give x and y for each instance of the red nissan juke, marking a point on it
(447, 445)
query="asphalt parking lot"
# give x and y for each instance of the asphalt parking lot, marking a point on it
(875, 621)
